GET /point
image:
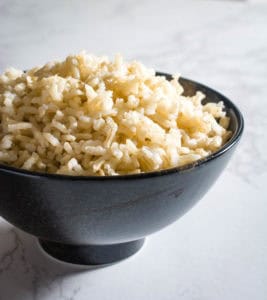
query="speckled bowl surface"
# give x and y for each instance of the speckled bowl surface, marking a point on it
(100, 220)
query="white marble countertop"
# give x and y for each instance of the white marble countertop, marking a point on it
(218, 251)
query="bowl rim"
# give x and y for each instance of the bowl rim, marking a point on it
(227, 146)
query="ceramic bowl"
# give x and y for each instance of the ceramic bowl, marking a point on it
(99, 220)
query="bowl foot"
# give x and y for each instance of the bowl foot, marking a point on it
(91, 254)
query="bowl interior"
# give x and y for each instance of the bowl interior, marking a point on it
(236, 119)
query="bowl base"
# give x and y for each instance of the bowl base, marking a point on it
(91, 254)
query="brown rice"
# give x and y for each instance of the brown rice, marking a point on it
(88, 115)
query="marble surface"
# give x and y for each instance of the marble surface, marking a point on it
(219, 249)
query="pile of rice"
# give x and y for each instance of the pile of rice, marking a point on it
(88, 115)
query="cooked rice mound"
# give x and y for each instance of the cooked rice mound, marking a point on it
(88, 115)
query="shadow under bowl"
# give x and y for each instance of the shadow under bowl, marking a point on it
(94, 220)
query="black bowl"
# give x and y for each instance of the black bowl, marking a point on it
(99, 220)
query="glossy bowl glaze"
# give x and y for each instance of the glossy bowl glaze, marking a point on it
(100, 220)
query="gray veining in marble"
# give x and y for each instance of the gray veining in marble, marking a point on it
(218, 251)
